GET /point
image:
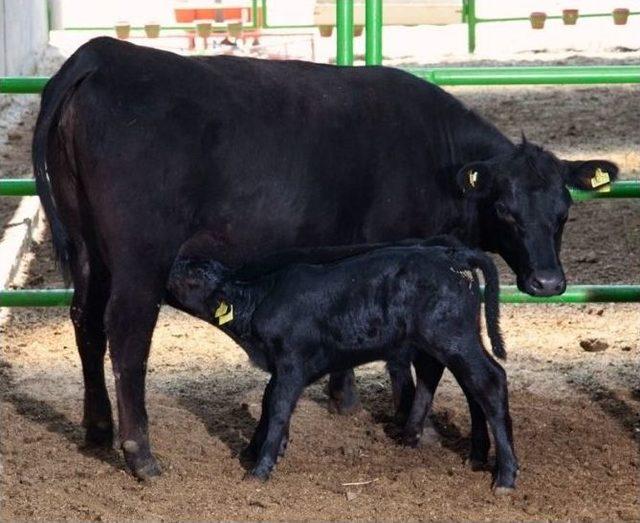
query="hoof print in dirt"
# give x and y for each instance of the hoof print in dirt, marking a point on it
(594, 345)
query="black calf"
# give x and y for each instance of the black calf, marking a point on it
(304, 321)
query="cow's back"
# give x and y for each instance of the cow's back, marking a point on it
(261, 154)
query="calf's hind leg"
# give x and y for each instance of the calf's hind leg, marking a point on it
(486, 382)
(343, 397)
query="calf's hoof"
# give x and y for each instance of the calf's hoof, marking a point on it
(475, 464)
(249, 454)
(258, 474)
(345, 406)
(503, 491)
(141, 464)
(99, 435)
(430, 436)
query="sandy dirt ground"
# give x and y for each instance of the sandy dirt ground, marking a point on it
(575, 412)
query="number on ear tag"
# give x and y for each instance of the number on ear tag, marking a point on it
(600, 178)
(473, 178)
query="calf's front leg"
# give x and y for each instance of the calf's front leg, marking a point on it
(286, 388)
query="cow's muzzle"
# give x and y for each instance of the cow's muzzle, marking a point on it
(544, 283)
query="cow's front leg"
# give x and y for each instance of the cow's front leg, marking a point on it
(343, 397)
(287, 387)
(131, 316)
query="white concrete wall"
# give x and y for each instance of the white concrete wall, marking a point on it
(23, 35)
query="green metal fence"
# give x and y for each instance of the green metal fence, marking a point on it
(469, 16)
(440, 76)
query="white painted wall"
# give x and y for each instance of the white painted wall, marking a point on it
(23, 35)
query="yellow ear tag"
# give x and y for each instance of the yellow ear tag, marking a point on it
(600, 178)
(224, 313)
(473, 178)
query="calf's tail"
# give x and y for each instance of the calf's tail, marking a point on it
(480, 260)
(56, 93)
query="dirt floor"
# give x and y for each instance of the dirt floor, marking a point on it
(575, 412)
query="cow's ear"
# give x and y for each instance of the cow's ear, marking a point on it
(589, 175)
(475, 179)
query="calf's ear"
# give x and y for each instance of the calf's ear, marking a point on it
(589, 175)
(475, 179)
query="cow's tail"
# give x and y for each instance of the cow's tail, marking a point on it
(479, 260)
(57, 91)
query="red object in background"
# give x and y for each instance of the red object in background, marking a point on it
(205, 14)
(184, 16)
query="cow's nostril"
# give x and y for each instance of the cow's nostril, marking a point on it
(536, 284)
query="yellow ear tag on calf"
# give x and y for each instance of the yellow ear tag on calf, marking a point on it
(600, 178)
(224, 313)
(473, 178)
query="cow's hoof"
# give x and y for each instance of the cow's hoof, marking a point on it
(503, 491)
(148, 471)
(410, 438)
(99, 436)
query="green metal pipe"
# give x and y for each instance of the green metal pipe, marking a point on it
(469, 13)
(614, 74)
(577, 294)
(508, 294)
(553, 17)
(22, 84)
(36, 298)
(17, 187)
(373, 32)
(621, 189)
(344, 29)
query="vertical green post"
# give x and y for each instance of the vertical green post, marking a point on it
(470, 16)
(344, 29)
(373, 28)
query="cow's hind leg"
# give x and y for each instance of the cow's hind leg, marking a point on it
(91, 284)
(343, 397)
(132, 311)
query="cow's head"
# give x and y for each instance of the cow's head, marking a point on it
(523, 204)
(192, 282)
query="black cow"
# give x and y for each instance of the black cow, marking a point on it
(135, 150)
(305, 320)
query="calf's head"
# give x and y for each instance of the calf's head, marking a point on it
(523, 204)
(192, 283)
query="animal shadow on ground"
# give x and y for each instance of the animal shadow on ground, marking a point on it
(224, 417)
(39, 411)
(610, 403)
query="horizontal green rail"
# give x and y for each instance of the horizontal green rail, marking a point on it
(534, 75)
(621, 189)
(17, 187)
(549, 17)
(508, 294)
(538, 75)
(22, 84)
